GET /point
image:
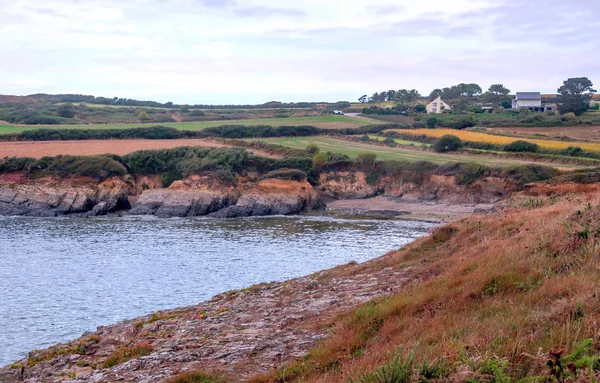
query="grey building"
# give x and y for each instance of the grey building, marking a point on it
(531, 101)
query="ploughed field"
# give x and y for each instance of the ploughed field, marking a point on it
(583, 133)
(325, 122)
(352, 149)
(39, 149)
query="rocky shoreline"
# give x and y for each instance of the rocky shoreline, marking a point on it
(251, 195)
(193, 196)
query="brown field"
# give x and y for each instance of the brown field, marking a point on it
(579, 133)
(38, 149)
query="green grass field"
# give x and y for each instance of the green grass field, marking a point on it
(398, 141)
(352, 149)
(326, 122)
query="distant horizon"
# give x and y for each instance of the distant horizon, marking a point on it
(512, 93)
(255, 51)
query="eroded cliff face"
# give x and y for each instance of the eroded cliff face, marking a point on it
(354, 185)
(50, 196)
(201, 195)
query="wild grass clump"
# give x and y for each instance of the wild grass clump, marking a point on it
(125, 353)
(198, 377)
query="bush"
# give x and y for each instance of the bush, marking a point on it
(366, 159)
(525, 174)
(66, 111)
(463, 122)
(465, 173)
(163, 118)
(419, 125)
(15, 164)
(431, 122)
(143, 116)
(100, 167)
(447, 143)
(151, 133)
(573, 151)
(313, 149)
(197, 113)
(39, 119)
(521, 147)
(568, 116)
(390, 142)
(319, 161)
(287, 174)
(420, 108)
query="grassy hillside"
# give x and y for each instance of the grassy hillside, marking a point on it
(506, 298)
(327, 122)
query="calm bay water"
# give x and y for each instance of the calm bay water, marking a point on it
(60, 277)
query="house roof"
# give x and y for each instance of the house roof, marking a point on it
(529, 96)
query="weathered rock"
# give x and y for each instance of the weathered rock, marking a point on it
(194, 196)
(49, 196)
(199, 195)
(100, 209)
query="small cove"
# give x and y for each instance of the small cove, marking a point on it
(61, 277)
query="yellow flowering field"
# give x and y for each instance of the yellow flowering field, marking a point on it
(465, 135)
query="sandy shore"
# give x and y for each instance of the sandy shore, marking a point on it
(383, 206)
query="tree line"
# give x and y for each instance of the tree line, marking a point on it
(573, 96)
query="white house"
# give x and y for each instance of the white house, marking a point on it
(437, 106)
(527, 100)
(531, 101)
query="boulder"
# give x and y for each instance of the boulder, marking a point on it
(100, 209)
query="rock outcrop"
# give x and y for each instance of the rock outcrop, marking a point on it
(49, 197)
(442, 188)
(201, 195)
(193, 196)
(272, 197)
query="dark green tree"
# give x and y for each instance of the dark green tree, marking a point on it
(574, 95)
(498, 90)
(447, 143)
(66, 111)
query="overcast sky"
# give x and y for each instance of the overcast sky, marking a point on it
(252, 51)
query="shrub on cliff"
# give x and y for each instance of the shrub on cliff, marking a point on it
(15, 164)
(99, 167)
(287, 174)
(447, 143)
(465, 173)
(366, 159)
(525, 174)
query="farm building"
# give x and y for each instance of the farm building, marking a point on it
(531, 101)
(437, 106)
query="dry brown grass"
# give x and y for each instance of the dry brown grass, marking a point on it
(504, 287)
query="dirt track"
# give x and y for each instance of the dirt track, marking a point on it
(38, 149)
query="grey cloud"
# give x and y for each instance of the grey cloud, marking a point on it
(268, 12)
